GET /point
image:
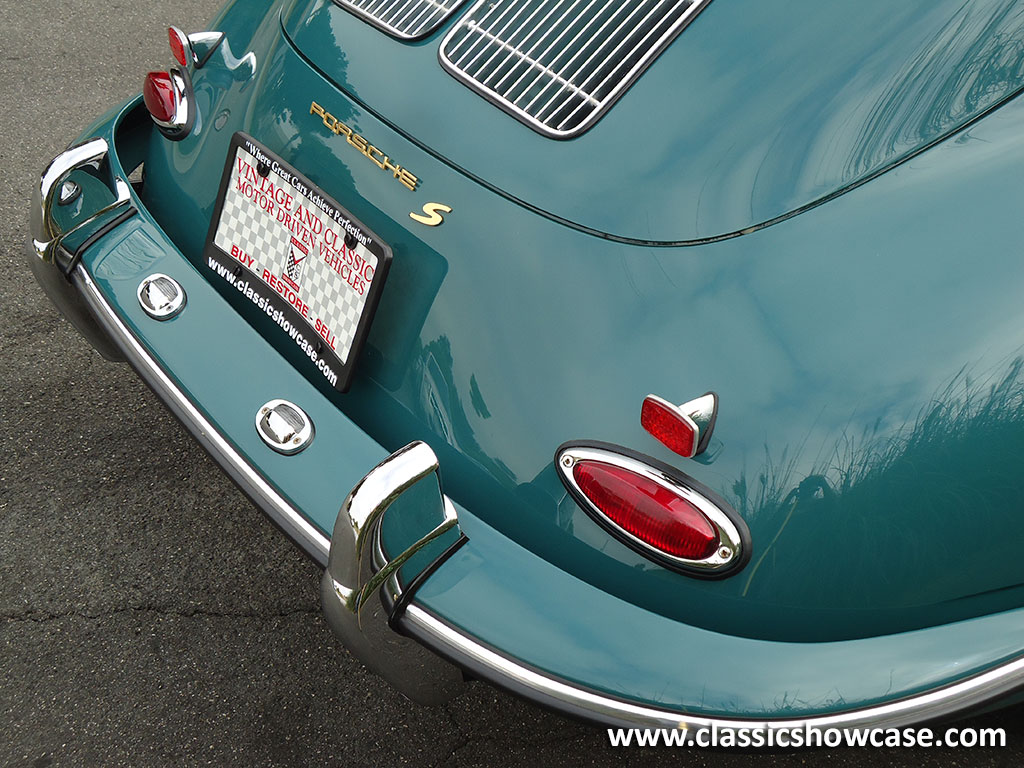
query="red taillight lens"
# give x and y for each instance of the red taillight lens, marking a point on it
(158, 93)
(667, 426)
(647, 510)
(180, 46)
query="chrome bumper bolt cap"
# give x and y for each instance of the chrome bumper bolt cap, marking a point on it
(161, 297)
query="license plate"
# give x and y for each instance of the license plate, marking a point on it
(302, 260)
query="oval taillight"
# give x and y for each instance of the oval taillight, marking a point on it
(158, 94)
(651, 512)
(654, 509)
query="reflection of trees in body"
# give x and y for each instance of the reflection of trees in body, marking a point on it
(898, 514)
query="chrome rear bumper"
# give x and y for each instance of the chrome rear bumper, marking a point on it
(363, 614)
(364, 599)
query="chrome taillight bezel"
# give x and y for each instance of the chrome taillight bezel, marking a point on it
(733, 551)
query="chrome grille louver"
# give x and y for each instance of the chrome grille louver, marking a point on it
(557, 65)
(404, 19)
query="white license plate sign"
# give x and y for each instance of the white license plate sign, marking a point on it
(301, 260)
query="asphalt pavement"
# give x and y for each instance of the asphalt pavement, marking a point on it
(149, 615)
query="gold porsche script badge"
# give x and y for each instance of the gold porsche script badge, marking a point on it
(364, 146)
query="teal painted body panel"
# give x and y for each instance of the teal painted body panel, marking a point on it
(756, 110)
(250, 373)
(866, 355)
(555, 623)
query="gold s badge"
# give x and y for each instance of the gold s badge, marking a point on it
(433, 213)
(365, 147)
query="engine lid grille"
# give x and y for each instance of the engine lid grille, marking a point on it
(404, 19)
(558, 65)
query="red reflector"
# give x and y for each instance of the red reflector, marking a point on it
(647, 510)
(179, 45)
(158, 93)
(668, 426)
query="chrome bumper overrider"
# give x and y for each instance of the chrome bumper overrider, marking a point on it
(363, 598)
(91, 155)
(360, 590)
(50, 261)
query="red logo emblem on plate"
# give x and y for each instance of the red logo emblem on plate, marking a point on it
(297, 253)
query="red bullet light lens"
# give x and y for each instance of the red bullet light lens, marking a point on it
(647, 510)
(179, 45)
(668, 427)
(158, 93)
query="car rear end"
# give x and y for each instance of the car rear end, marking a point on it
(331, 284)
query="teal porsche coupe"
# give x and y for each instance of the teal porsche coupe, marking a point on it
(657, 361)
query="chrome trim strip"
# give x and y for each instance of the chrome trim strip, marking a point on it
(579, 74)
(563, 696)
(273, 504)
